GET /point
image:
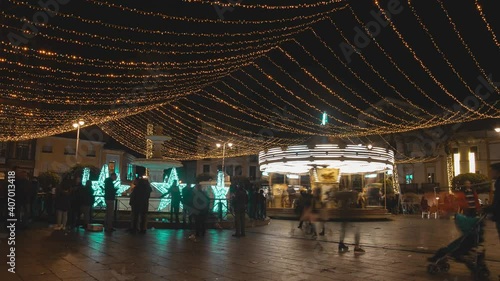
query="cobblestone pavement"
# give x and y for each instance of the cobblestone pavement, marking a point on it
(395, 250)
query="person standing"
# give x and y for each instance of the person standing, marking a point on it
(240, 206)
(201, 205)
(175, 203)
(139, 201)
(470, 201)
(63, 204)
(109, 197)
(74, 212)
(495, 206)
(187, 204)
(87, 199)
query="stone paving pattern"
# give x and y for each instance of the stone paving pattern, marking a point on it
(395, 250)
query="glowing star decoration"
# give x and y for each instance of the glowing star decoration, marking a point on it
(220, 191)
(165, 186)
(98, 186)
(85, 176)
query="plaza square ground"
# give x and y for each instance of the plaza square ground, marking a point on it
(395, 250)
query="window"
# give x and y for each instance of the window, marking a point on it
(431, 174)
(252, 172)
(23, 150)
(229, 170)
(47, 148)
(130, 172)
(456, 162)
(206, 169)
(472, 159)
(111, 166)
(69, 150)
(3, 149)
(409, 178)
(91, 151)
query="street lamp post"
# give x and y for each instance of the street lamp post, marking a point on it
(77, 126)
(224, 153)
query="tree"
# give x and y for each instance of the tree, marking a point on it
(48, 179)
(479, 181)
(77, 171)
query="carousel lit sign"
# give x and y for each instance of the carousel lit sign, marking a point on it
(350, 159)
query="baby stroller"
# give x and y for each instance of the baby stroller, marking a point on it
(467, 249)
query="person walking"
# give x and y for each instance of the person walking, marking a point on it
(240, 205)
(63, 205)
(139, 201)
(109, 197)
(345, 202)
(201, 205)
(87, 199)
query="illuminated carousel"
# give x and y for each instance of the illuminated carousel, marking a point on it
(337, 171)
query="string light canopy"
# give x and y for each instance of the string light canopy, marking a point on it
(260, 74)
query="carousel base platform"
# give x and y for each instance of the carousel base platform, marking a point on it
(369, 213)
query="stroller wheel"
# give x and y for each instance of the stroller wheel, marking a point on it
(432, 269)
(445, 267)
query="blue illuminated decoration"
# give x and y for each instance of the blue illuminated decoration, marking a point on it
(324, 119)
(220, 191)
(162, 187)
(85, 176)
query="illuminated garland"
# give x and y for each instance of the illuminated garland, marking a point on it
(471, 54)
(450, 65)
(483, 17)
(168, 17)
(423, 66)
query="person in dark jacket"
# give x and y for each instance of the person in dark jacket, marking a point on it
(175, 195)
(63, 204)
(240, 205)
(74, 212)
(87, 199)
(187, 204)
(23, 196)
(495, 206)
(109, 197)
(139, 201)
(201, 205)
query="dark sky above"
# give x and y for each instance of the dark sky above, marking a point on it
(279, 93)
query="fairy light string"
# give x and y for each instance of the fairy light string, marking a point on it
(423, 65)
(466, 46)
(479, 8)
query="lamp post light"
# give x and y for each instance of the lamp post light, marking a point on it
(229, 144)
(77, 126)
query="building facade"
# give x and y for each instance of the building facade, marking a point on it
(19, 154)
(464, 152)
(58, 154)
(241, 166)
